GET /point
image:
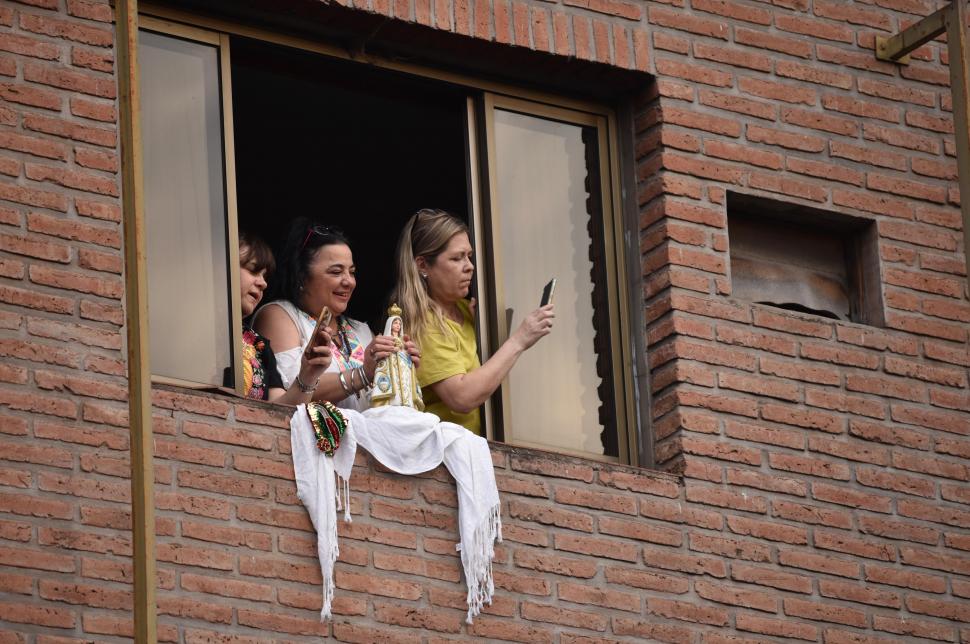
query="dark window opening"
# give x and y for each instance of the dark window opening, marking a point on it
(804, 259)
(350, 145)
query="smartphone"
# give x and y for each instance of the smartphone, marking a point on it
(547, 292)
(323, 320)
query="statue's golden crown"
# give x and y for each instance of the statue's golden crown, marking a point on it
(393, 310)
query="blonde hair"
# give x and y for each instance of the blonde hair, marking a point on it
(426, 235)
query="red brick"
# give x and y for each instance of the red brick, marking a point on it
(687, 611)
(691, 564)
(598, 501)
(818, 563)
(954, 611)
(912, 627)
(697, 73)
(617, 8)
(85, 594)
(825, 612)
(640, 531)
(896, 481)
(757, 480)
(370, 533)
(609, 548)
(646, 580)
(811, 515)
(650, 631)
(194, 609)
(565, 617)
(557, 467)
(84, 334)
(445, 570)
(905, 578)
(898, 530)
(844, 543)
(42, 615)
(937, 467)
(780, 628)
(730, 548)
(860, 594)
(881, 158)
(543, 562)
(491, 629)
(226, 587)
(21, 557)
(941, 420)
(827, 171)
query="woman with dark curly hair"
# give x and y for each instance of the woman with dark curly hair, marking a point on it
(316, 270)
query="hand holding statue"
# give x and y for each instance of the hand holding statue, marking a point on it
(395, 378)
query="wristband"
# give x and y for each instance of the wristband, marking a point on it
(343, 384)
(305, 388)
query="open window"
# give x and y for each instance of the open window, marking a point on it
(289, 131)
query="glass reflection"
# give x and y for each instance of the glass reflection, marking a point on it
(549, 215)
(185, 209)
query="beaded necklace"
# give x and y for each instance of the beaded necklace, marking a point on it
(350, 353)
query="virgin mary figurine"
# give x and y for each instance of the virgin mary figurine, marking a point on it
(395, 382)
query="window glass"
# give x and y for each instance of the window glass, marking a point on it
(185, 209)
(560, 393)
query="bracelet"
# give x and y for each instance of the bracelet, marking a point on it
(343, 383)
(353, 385)
(305, 388)
(363, 378)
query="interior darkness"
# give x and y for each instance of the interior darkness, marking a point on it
(353, 146)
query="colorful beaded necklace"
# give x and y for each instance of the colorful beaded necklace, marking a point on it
(350, 353)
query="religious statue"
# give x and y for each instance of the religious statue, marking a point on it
(395, 380)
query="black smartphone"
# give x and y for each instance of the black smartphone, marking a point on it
(547, 292)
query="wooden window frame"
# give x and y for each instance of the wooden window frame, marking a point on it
(623, 399)
(489, 95)
(221, 42)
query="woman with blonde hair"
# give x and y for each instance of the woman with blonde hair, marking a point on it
(434, 273)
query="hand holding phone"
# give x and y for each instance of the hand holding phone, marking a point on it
(323, 322)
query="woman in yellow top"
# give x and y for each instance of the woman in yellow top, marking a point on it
(434, 273)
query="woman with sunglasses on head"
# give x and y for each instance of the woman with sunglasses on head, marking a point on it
(434, 273)
(316, 270)
(261, 380)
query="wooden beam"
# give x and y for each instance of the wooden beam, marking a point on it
(959, 50)
(896, 48)
(136, 324)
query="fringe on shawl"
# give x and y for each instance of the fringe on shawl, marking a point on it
(328, 559)
(477, 560)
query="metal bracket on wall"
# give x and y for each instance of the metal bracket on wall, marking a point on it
(952, 20)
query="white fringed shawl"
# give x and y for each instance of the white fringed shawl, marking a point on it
(407, 442)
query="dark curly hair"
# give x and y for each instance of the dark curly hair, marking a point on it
(303, 239)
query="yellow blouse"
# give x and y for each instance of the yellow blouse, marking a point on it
(446, 355)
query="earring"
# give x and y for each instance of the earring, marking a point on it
(424, 276)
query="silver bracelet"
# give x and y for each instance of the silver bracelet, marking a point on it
(343, 383)
(305, 388)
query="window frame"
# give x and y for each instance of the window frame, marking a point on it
(612, 223)
(481, 153)
(221, 42)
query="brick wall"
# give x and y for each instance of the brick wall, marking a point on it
(822, 490)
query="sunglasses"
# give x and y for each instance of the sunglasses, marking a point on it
(323, 231)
